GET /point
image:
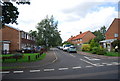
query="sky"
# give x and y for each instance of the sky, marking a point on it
(73, 16)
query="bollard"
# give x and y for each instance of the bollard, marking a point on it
(28, 58)
(36, 56)
(16, 59)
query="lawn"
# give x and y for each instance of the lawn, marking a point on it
(25, 58)
(115, 54)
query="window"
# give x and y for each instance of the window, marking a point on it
(116, 35)
(23, 34)
(80, 39)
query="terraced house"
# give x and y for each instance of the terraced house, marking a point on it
(81, 38)
(15, 39)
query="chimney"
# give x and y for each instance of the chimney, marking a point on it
(80, 32)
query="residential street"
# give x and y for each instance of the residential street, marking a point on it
(69, 66)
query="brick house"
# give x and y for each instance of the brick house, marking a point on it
(15, 39)
(81, 38)
(112, 34)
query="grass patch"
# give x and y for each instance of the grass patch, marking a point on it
(25, 58)
(113, 54)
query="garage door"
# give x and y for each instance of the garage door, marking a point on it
(6, 47)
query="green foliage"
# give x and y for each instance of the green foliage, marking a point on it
(85, 47)
(48, 33)
(10, 12)
(95, 50)
(100, 34)
(101, 51)
(93, 43)
(98, 50)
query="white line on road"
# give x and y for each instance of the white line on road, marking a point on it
(88, 66)
(5, 72)
(49, 69)
(109, 64)
(88, 62)
(72, 55)
(55, 57)
(34, 70)
(17, 71)
(91, 58)
(76, 67)
(62, 68)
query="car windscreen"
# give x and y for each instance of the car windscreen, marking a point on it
(67, 45)
(72, 47)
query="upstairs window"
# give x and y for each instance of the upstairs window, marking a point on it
(116, 35)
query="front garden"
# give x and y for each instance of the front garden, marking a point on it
(95, 48)
(26, 57)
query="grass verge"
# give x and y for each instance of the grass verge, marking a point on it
(25, 58)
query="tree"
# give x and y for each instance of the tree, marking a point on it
(100, 34)
(10, 12)
(48, 33)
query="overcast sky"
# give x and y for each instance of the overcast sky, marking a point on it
(73, 15)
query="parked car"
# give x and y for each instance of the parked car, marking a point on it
(61, 47)
(65, 47)
(28, 50)
(72, 49)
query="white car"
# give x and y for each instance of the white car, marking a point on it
(65, 47)
(72, 49)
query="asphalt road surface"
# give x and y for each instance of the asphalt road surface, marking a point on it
(69, 66)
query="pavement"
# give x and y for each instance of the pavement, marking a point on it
(49, 59)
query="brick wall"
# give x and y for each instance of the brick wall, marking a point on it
(114, 28)
(88, 37)
(12, 35)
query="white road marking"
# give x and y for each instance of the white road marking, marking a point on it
(104, 63)
(5, 72)
(115, 63)
(91, 58)
(49, 69)
(109, 64)
(88, 62)
(72, 55)
(17, 71)
(88, 66)
(62, 68)
(55, 57)
(34, 70)
(76, 67)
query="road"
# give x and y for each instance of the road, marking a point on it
(69, 66)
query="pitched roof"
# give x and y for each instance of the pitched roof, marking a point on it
(80, 35)
(71, 38)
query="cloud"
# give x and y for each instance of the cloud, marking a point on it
(73, 15)
(92, 21)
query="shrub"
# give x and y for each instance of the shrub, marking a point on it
(93, 43)
(101, 51)
(18, 55)
(86, 47)
(95, 50)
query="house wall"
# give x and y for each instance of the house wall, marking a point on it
(114, 28)
(88, 37)
(12, 35)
